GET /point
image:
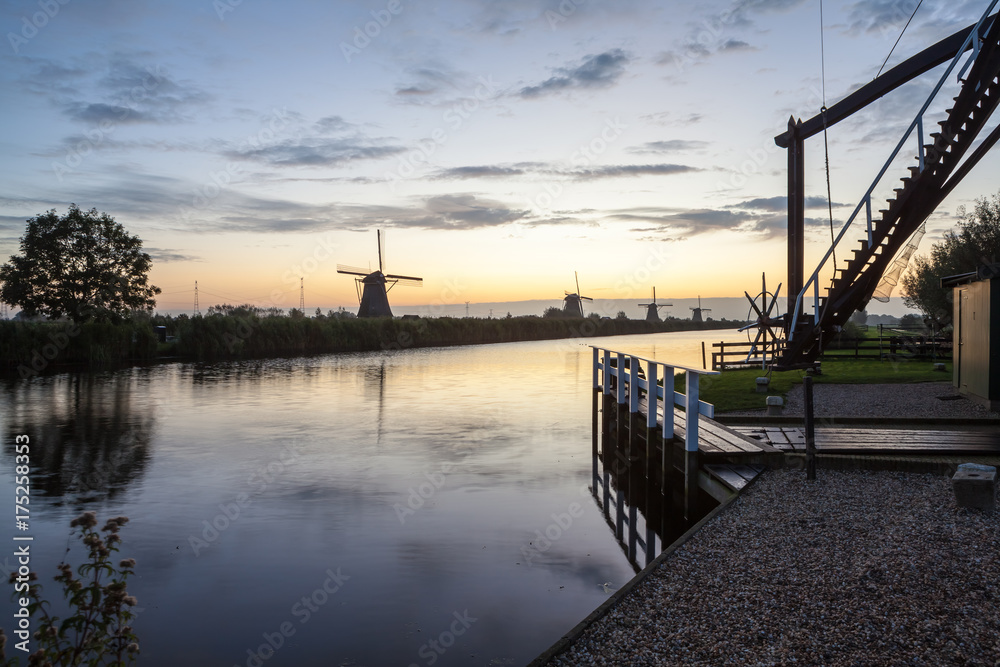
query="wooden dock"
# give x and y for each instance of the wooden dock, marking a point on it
(858, 440)
(659, 459)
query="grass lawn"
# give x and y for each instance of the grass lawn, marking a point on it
(736, 389)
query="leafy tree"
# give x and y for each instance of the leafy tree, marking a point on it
(621, 315)
(82, 265)
(975, 242)
(553, 312)
(860, 317)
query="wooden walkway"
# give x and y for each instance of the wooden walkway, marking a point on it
(713, 438)
(856, 440)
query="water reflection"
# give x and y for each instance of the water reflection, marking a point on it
(174, 445)
(90, 440)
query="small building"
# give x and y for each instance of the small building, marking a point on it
(976, 357)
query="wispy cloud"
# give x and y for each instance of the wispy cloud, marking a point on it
(317, 152)
(597, 71)
(167, 255)
(558, 171)
(669, 146)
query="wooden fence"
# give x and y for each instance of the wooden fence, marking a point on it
(893, 347)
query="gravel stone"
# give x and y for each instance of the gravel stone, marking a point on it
(856, 568)
(894, 401)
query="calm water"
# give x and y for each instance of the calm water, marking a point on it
(385, 501)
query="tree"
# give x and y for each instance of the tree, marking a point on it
(82, 265)
(975, 242)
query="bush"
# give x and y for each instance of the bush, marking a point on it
(97, 632)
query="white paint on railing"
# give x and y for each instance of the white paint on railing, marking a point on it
(629, 377)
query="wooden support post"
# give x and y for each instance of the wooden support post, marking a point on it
(606, 427)
(651, 551)
(807, 386)
(690, 484)
(620, 512)
(633, 533)
(796, 212)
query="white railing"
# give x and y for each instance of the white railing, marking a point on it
(631, 377)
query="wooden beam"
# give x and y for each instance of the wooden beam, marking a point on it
(906, 71)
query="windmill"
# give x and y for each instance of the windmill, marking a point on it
(696, 312)
(653, 308)
(573, 303)
(374, 299)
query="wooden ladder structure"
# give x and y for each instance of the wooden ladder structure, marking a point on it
(939, 168)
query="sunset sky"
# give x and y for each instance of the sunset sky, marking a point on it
(501, 145)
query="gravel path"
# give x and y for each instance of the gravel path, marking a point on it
(858, 568)
(914, 400)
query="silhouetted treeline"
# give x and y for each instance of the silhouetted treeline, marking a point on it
(248, 333)
(231, 337)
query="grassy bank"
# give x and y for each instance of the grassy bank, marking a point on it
(737, 389)
(29, 348)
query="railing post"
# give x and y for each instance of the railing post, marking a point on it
(868, 208)
(596, 392)
(607, 371)
(690, 445)
(620, 375)
(691, 413)
(920, 151)
(651, 406)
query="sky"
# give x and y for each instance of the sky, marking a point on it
(501, 146)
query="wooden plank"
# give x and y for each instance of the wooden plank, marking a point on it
(746, 472)
(707, 436)
(728, 476)
(777, 435)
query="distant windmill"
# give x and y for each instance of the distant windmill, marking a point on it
(573, 303)
(696, 314)
(374, 299)
(653, 308)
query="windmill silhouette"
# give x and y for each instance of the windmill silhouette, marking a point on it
(697, 312)
(573, 302)
(653, 308)
(374, 298)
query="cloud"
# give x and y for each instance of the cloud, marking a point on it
(316, 152)
(166, 255)
(96, 113)
(598, 71)
(780, 203)
(669, 146)
(134, 93)
(713, 34)
(887, 17)
(555, 170)
(735, 45)
(470, 212)
(763, 220)
(332, 124)
(484, 171)
(620, 170)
